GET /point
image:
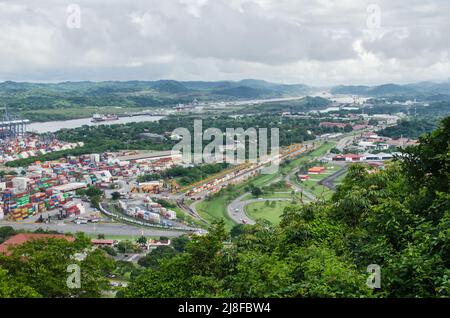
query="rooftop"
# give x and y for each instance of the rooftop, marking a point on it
(22, 238)
(147, 155)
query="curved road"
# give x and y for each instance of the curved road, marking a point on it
(328, 181)
(236, 209)
(296, 187)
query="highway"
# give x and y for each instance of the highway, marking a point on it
(114, 229)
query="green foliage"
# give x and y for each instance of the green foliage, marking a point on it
(4, 173)
(39, 268)
(254, 190)
(398, 218)
(237, 230)
(109, 250)
(166, 204)
(95, 195)
(187, 175)
(93, 191)
(6, 232)
(126, 247)
(412, 128)
(142, 240)
(152, 259)
(179, 243)
(115, 195)
(335, 151)
(10, 288)
(321, 273)
(104, 138)
(59, 101)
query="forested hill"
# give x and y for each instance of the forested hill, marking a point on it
(415, 90)
(397, 218)
(32, 96)
(412, 128)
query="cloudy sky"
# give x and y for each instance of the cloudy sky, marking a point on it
(322, 42)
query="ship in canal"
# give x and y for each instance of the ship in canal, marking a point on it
(97, 118)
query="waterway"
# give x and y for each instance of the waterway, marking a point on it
(53, 126)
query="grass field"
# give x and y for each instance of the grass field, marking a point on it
(215, 210)
(320, 151)
(182, 215)
(339, 179)
(312, 185)
(259, 210)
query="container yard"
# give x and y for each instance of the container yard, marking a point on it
(53, 185)
(147, 210)
(31, 145)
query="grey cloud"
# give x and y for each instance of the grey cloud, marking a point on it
(283, 40)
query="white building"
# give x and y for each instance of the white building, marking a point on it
(103, 176)
(20, 183)
(95, 157)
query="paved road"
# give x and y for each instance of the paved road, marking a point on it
(236, 209)
(125, 186)
(328, 181)
(99, 228)
(296, 187)
(236, 212)
(342, 143)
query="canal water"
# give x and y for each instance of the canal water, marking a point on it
(52, 126)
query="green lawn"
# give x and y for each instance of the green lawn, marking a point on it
(317, 190)
(313, 186)
(320, 151)
(264, 179)
(182, 215)
(215, 210)
(340, 179)
(259, 210)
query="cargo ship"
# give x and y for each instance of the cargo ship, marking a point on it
(96, 118)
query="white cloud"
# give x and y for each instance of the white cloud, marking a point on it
(315, 42)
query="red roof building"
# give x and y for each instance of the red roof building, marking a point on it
(347, 157)
(360, 127)
(316, 170)
(100, 242)
(330, 124)
(22, 238)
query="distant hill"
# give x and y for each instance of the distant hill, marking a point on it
(246, 92)
(421, 90)
(68, 100)
(29, 97)
(172, 87)
(33, 96)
